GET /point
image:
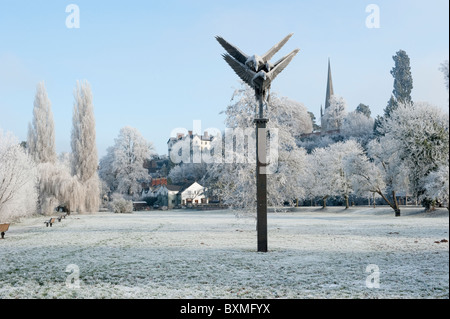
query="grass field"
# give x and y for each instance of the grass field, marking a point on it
(212, 254)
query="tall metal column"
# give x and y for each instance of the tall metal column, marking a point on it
(261, 179)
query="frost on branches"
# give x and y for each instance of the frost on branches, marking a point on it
(413, 143)
(335, 114)
(437, 185)
(188, 172)
(120, 205)
(41, 132)
(84, 150)
(329, 174)
(122, 168)
(56, 186)
(358, 126)
(233, 179)
(18, 178)
(340, 176)
(41, 147)
(130, 152)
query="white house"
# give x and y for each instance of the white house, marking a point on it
(174, 195)
(194, 194)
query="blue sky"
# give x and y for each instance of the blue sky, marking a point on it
(155, 65)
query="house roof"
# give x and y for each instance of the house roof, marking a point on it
(175, 188)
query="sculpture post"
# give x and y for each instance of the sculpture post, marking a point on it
(258, 73)
(261, 179)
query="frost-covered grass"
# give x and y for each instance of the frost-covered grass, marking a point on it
(193, 254)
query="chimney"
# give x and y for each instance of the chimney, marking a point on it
(189, 133)
(206, 135)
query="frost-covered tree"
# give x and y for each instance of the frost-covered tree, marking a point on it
(41, 131)
(41, 147)
(317, 177)
(316, 127)
(120, 205)
(413, 142)
(290, 114)
(437, 185)
(391, 107)
(106, 170)
(327, 174)
(190, 172)
(234, 184)
(234, 180)
(366, 176)
(419, 136)
(130, 151)
(403, 81)
(66, 189)
(286, 185)
(341, 177)
(84, 148)
(358, 126)
(65, 159)
(311, 142)
(391, 173)
(18, 180)
(334, 115)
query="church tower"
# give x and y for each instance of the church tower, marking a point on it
(329, 94)
(330, 91)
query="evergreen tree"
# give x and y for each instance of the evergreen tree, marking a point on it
(364, 109)
(391, 107)
(377, 124)
(403, 85)
(313, 119)
(403, 82)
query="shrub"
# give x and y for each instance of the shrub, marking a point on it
(120, 205)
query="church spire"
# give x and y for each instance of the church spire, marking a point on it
(330, 91)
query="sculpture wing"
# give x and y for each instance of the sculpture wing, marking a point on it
(233, 50)
(281, 64)
(269, 55)
(241, 70)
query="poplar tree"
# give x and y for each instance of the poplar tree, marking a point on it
(41, 147)
(84, 149)
(41, 131)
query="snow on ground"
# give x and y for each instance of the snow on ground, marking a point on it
(195, 254)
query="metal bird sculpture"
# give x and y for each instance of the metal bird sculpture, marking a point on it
(257, 71)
